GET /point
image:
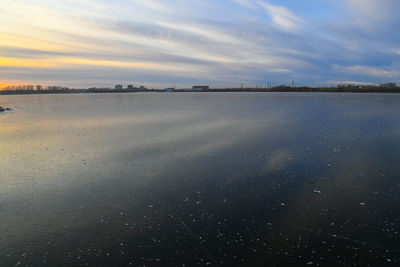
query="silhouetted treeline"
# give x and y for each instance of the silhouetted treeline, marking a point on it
(35, 88)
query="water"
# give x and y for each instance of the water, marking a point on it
(185, 179)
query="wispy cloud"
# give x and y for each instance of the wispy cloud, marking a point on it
(374, 71)
(281, 15)
(245, 3)
(150, 4)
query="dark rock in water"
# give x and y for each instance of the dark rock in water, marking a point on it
(4, 109)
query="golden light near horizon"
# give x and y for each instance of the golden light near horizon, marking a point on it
(4, 84)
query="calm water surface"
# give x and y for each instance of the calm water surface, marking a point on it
(218, 179)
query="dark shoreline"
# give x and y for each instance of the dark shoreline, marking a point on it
(346, 89)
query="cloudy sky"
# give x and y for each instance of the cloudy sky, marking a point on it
(157, 43)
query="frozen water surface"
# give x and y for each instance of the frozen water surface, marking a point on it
(208, 179)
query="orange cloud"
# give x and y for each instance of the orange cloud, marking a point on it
(22, 62)
(74, 61)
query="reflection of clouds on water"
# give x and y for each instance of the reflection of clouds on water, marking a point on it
(59, 142)
(291, 169)
(57, 150)
(28, 128)
(191, 139)
(60, 157)
(277, 160)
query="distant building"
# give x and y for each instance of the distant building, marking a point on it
(169, 90)
(200, 88)
(130, 87)
(388, 85)
(118, 87)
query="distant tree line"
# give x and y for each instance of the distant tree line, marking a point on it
(35, 88)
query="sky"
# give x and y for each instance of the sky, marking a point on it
(221, 43)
